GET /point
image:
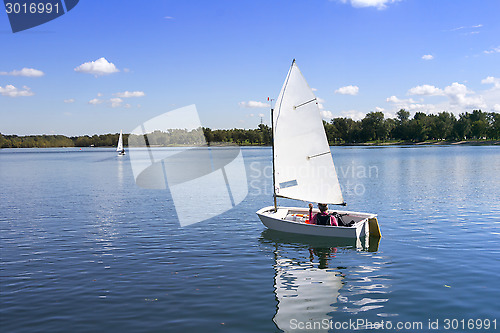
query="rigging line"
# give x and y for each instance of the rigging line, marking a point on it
(284, 90)
(298, 106)
(326, 152)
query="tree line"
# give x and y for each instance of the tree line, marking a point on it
(50, 141)
(374, 127)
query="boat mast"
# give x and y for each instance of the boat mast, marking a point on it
(272, 140)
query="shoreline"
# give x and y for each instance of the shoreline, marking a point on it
(424, 143)
(360, 144)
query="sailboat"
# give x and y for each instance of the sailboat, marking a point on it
(119, 147)
(303, 167)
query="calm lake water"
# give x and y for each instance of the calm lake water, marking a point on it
(83, 249)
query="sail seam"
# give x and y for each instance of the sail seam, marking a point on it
(283, 95)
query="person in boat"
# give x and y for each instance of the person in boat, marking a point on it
(322, 218)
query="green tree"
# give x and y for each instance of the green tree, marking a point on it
(373, 126)
(347, 129)
(479, 124)
(4, 142)
(418, 127)
(266, 134)
(403, 116)
(494, 127)
(209, 137)
(332, 133)
(390, 125)
(462, 127)
(83, 141)
(401, 130)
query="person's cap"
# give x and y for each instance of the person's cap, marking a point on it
(322, 206)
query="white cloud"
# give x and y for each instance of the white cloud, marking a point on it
(467, 27)
(455, 98)
(96, 101)
(261, 115)
(493, 50)
(428, 108)
(314, 89)
(457, 93)
(492, 80)
(427, 57)
(392, 99)
(128, 94)
(326, 114)
(254, 104)
(389, 114)
(379, 4)
(353, 114)
(408, 104)
(379, 109)
(115, 102)
(395, 100)
(30, 72)
(12, 91)
(69, 100)
(320, 102)
(99, 67)
(496, 107)
(425, 90)
(455, 89)
(348, 90)
(168, 18)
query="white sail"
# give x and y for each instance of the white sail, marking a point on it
(303, 162)
(120, 142)
(305, 294)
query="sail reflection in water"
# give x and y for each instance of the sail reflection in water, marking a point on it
(304, 292)
(314, 285)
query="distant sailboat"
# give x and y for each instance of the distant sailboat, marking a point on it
(119, 148)
(303, 166)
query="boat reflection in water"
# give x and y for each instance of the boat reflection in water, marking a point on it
(310, 282)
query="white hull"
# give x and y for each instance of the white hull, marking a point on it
(281, 220)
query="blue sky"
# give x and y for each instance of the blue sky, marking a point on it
(111, 65)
